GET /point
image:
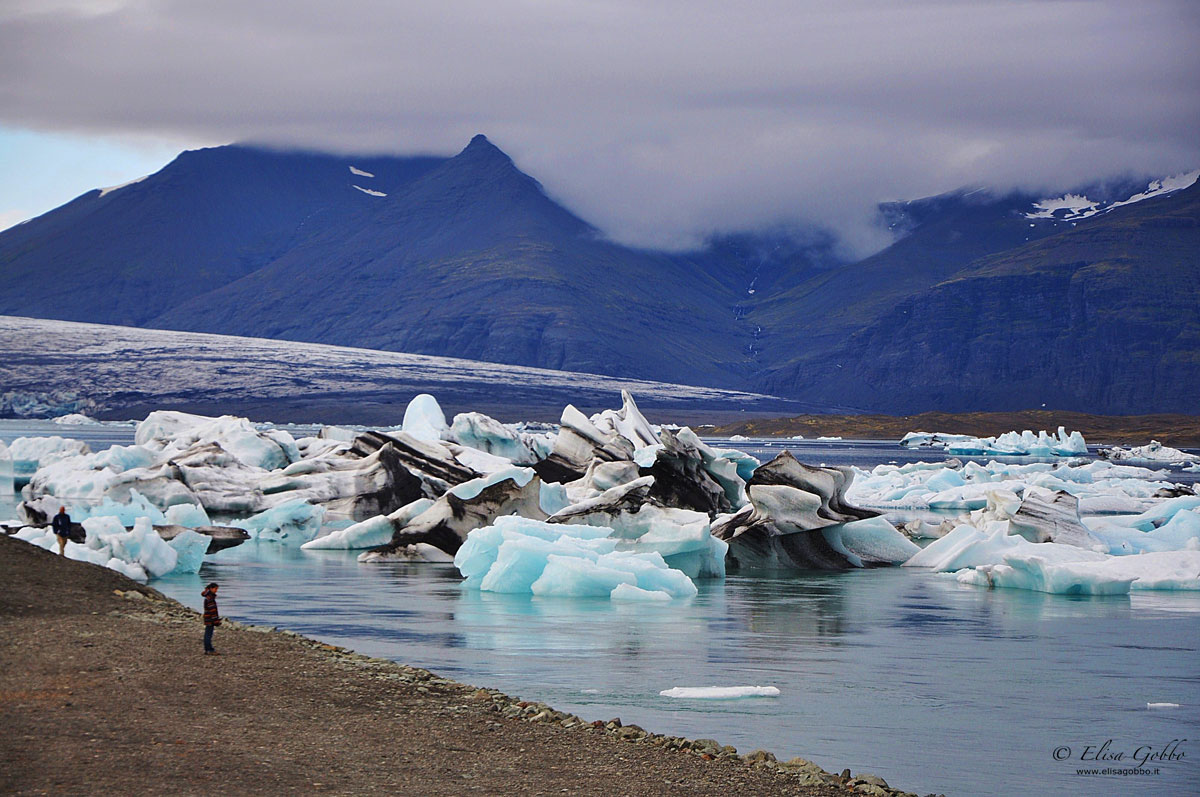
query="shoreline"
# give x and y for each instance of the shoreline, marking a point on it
(1169, 429)
(87, 649)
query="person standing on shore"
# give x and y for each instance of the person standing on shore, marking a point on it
(62, 529)
(212, 618)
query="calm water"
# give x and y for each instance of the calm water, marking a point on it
(933, 685)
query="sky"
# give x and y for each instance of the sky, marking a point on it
(659, 122)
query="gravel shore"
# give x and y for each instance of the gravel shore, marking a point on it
(104, 689)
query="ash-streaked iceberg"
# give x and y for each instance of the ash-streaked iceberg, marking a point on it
(1153, 451)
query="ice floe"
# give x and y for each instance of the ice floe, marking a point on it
(519, 555)
(139, 553)
(1100, 486)
(1153, 451)
(720, 692)
(1019, 444)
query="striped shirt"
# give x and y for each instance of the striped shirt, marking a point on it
(211, 617)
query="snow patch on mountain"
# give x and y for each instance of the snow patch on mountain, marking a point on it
(1073, 207)
(111, 188)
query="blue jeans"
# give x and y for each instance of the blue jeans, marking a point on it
(208, 632)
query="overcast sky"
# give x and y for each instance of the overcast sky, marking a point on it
(658, 122)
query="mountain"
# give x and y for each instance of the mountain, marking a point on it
(983, 301)
(1103, 315)
(472, 259)
(123, 255)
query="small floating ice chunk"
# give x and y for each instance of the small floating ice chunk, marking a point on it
(720, 692)
(360, 172)
(1162, 705)
(628, 592)
(370, 191)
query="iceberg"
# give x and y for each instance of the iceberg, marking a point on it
(190, 548)
(465, 507)
(168, 432)
(994, 558)
(632, 594)
(75, 419)
(139, 553)
(424, 419)
(932, 439)
(1116, 575)
(1019, 444)
(720, 692)
(1100, 486)
(371, 532)
(477, 431)
(518, 555)
(190, 515)
(294, 522)
(798, 517)
(45, 450)
(1153, 451)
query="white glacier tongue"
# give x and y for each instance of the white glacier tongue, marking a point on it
(720, 692)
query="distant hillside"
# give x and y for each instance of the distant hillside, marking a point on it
(1102, 316)
(983, 301)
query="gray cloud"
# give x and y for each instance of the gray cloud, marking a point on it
(657, 122)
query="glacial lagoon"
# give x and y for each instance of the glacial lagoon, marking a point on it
(934, 685)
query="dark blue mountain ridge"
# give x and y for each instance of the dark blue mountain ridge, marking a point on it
(469, 257)
(472, 257)
(209, 217)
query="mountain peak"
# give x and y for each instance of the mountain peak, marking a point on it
(481, 148)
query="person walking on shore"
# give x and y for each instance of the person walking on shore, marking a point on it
(62, 529)
(212, 618)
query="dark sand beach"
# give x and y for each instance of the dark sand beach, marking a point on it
(104, 689)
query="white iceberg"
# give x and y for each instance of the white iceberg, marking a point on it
(1022, 444)
(168, 432)
(76, 419)
(720, 692)
(424, 419)
(294, 522)
(371, 532)
(518, 555)
(1153, 451)
(139, 553)
(994, 558)
(45, 450)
